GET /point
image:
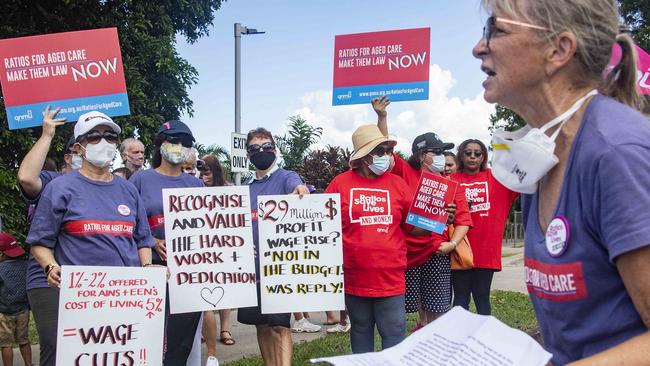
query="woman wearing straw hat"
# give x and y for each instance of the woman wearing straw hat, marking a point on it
(375, 203)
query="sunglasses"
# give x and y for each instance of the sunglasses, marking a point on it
(382, 150)
(477, 153)
(94, 137)
(491, 27)
(185, 141)
(255, 148)
(434, 151)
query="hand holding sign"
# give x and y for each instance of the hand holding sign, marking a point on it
(301, 257)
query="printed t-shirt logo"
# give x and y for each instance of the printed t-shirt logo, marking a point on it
(555, 282)
(98, 227)
(124, 210)
(156, 221)
(370, 206)
(478, 196)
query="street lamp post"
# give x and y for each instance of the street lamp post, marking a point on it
(239, 30)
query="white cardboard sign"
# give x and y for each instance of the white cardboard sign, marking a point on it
(114, 315)
(238, 155)
(210, 253)
(301, 253)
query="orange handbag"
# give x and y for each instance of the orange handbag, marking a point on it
(461, 257)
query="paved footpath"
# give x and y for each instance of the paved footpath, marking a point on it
(511, 278)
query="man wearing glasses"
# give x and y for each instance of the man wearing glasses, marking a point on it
(273, 334)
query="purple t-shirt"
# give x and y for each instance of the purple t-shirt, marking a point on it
(150, 184)
(278, 182)
(91, 223)
(579, 297)
(35, 276)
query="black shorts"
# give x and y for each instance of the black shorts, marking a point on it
(253, 315)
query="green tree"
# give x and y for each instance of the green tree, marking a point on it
(157, 78)
(319, 167)
(636, 14)
(296, 143)
(506, 119)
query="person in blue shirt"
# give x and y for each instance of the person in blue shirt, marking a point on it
(581, 164)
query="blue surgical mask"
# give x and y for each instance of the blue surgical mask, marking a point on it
(380, 164)
(438, 164)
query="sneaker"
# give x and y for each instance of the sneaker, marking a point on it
(339, 328)
(212, 361)
(304, 326)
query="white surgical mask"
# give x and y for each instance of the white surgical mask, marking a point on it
(438, 164)
(100, 154)
(76, 161)
(172, 153)
(380, 164)
(521, 158)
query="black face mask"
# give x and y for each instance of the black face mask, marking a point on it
(263, 159)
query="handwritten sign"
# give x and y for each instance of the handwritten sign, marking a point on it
(210, 251)
(393, 63)
(111, 316)
(428, 209)
(75, 71)
(301, 253)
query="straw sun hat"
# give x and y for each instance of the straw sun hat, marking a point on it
(366, 138)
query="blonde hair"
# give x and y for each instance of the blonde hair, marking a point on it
(595, 24)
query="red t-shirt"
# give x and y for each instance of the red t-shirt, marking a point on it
(489, 203)
(374, 246)
(421, 247)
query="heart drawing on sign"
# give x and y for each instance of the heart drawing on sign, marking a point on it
(212, 296)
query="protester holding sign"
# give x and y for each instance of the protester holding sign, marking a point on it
(585, 185)
(87, 217)
(273, 335)
(428, 277)
(43, 299)
(489, 204)
(212, 176)
(375, 203)
(167, 172)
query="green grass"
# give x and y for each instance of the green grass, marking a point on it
(512, 308)
(506, 255)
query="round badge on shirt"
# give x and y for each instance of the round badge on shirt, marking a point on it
(124, 210)
(557, 236)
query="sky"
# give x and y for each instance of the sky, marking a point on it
(288, 70)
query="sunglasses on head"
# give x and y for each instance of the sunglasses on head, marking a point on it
(491, 26)
(255, 148)
(382, 150)
(94, 136)
(477, 153)
(187, 142)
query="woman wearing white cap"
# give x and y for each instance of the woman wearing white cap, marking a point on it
(375, 203)
(60, 234)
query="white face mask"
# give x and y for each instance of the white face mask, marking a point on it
(100, 154)
(380, 164)
(76, 161)
(438, 164)
(521, 158)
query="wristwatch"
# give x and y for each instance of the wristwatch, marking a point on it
(48, 268)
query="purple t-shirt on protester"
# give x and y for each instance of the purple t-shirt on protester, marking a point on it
(91, 223)
(579, 297)
(150, 184)
(35, 276)
(279, 181)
